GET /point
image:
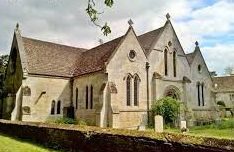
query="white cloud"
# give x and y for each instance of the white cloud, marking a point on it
(66, 22)
(219, 57)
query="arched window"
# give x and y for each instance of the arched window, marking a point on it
(174, 63)
(202, 91)
(52, 108)
(165, 62)
(59, 107)
(77, 95)
(87, 97)
(91, 97)
(198, 94)
(136, 90)
(128, 89)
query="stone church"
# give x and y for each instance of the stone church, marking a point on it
(111, 85)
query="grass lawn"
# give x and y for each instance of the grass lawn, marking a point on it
(9, 144)
(223, 130)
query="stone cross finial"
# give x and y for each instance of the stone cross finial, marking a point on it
(168, 16)
(130, 22)
(17, 26)
(196, 43)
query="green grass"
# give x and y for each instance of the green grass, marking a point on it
(9, 144)
(225, 130)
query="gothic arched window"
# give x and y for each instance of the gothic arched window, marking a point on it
(91, 97)
(198, 94)
(136, 90)
(128, 89)
(87, 97)
(165, 62)
(202, 92)
(59, 107)
(77, 95)
(52, 108)
(174, 63)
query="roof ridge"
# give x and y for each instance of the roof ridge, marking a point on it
(106, 43)
(53, 43)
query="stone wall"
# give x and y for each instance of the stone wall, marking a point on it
(119, 68)
(96, 80)
(91, 139)
(43, 90)
(225, 97)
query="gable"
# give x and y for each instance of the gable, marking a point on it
(14, 71)
(120, 57)
(199, 60)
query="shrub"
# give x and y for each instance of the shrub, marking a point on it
(221, 103)
(166, 107)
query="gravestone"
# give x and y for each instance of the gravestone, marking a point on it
(183, 124)
(158, 123)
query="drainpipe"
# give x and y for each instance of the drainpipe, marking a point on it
(147, 84)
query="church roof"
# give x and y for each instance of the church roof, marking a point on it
(94, 59)
(45, 58)
(148, 39)
(224, 83)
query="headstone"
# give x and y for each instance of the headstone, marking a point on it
(183, 125)
(143, 123)
(158, 123)
(141, 127)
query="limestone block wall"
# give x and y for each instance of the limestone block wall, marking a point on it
(119, 67)
(168, 40)
(225, 97)
(201, 76)
(43, 91)
(96, 80)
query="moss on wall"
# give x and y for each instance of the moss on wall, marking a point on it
(83, 138)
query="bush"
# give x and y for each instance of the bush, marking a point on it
(166, 107)
(221, 103)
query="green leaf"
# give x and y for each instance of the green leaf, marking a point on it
(109, 3)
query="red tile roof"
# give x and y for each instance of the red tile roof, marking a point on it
(52, 59)
(148, 39)
(94, 59)
(46, 58)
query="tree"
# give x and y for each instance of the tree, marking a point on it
(167, 107)
(94, 15)
(3, 65)
(228, 70)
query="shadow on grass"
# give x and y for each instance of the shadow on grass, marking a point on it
(22, 144)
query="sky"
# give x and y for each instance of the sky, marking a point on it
(210, 22)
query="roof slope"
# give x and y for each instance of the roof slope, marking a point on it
(94, 59)
(190, 57)
(47, 58)
(224, 83)
(148, 39)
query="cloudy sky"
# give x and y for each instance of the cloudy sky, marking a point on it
(210, 22)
